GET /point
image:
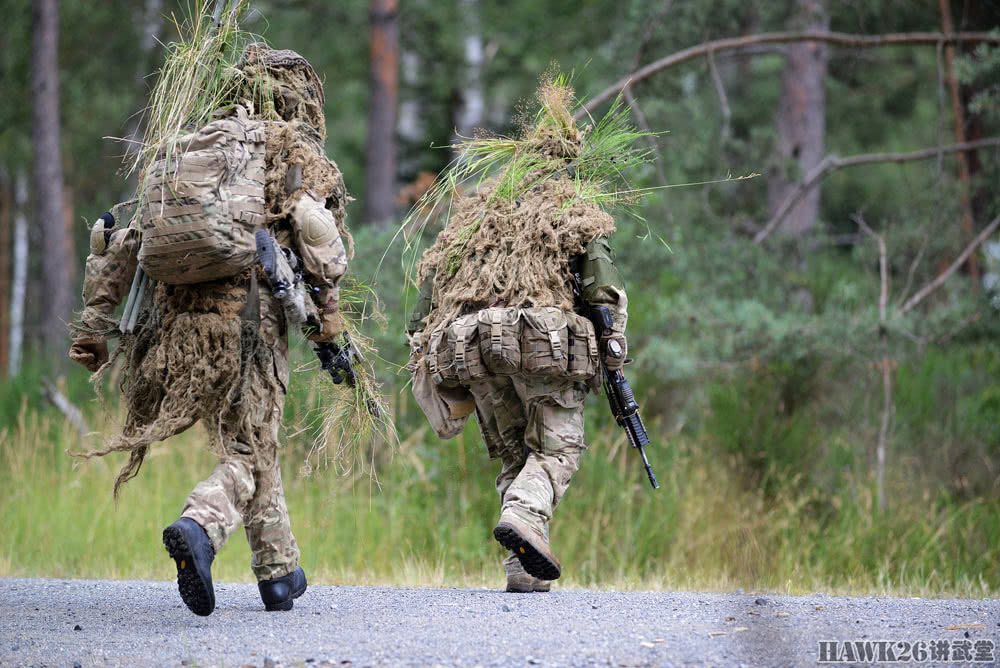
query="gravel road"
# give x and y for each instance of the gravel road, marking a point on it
(100, 623)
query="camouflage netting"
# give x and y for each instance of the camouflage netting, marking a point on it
(189, 360)
(497, 250)
(517, 253)
(294, 165)
(287, 81)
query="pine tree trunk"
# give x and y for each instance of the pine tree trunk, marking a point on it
(57, 281)
(958, 117)
(801, 119)
(380, 168)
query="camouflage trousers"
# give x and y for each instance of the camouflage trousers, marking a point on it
(246, 484)
(535, 427)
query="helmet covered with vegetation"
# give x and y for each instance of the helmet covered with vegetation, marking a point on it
(285, 81)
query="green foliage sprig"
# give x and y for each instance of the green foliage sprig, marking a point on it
(198, 76)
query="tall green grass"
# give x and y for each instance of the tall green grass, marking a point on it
(430, 521)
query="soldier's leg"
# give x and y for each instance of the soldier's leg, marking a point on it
(218, 502)
(501, 421)
(275, 552)
(553, 438)
(211, 513)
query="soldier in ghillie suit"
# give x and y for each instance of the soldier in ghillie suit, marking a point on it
(495, 332)
(216, 349)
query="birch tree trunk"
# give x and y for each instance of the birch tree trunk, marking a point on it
(19, 280)
(57, 281)
(411, 125)
(801, 119)
(5, 251)
(380, 166)
(472, 99)
(152, 27)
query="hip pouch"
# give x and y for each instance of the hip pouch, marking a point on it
(500, 339)
(454, 354)
(582, 361)
(539, 341)
(544, 342)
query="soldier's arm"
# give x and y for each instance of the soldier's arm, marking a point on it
(324, 258)
(423, 307)
(602, 284)
(110, 268)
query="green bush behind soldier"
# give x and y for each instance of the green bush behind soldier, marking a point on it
(494, 331)
(217, 350)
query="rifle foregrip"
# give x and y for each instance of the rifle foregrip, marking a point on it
(637, 429)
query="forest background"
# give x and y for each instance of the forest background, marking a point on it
(816, 349)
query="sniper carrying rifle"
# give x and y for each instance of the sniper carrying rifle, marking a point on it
(284, 273)
(620, 396)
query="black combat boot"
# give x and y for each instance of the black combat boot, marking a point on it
(280, 593)
(190, 547)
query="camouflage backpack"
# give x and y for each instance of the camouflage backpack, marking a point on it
(204, 201)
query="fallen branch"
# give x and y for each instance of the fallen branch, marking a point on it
(839, 39)
(944, 275)
(66, 407)
(832, 163)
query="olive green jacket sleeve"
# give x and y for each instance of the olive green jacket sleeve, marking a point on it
(601, 281)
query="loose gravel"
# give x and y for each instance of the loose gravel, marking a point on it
(101, 623)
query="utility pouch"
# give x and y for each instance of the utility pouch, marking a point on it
(544, 342)
(583, 350)
(455, 354)
(446, 408)
(500, 339)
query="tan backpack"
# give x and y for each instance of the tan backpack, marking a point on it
(204, 201)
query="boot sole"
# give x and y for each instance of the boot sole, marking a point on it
(197, 594)
(534, 562)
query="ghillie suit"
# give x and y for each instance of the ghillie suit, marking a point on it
(495, 332)
(217, 351)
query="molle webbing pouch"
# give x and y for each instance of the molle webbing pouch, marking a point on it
(544, 342)
(541, 341)
(454, 355)
(581, 363)
(500, 339)
(204, 199)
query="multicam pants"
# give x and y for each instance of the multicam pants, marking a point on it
(535, 427)
(246, 485)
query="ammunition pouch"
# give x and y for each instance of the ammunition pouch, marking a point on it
(540, 341)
